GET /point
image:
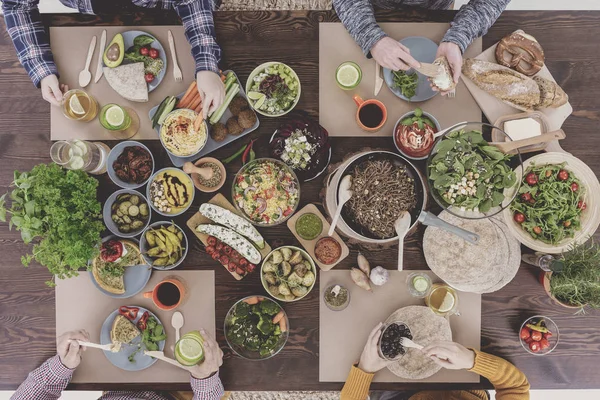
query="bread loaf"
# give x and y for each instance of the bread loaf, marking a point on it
(551, 95)
(510, 86)
(520, 52)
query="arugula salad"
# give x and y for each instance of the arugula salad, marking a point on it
(467, 172)
(550, 203)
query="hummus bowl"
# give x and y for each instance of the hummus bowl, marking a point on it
(178, 135)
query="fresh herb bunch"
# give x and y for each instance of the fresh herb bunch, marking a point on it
(419, 118)
(406, 82)
(59, 208)
(578, 284)
(468, 173)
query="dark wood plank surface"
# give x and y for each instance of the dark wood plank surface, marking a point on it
(27, 312)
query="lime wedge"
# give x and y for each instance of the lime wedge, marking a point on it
(259, 103)
(115, 116)
(255, 95)
(420, 284)
(75, 105)
(447, 304)
(348, 75)
(76, 163)
(189, 350)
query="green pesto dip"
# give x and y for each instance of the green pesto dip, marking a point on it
(309, 226)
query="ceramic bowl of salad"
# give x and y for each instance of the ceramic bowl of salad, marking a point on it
(273, 89)
(266, 192)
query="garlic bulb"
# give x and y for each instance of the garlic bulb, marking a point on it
(379, 276)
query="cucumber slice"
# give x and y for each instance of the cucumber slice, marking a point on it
(168, 108)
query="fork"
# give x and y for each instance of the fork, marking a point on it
(406, 342)
(452, 93)
(112, 347)
(176, 70)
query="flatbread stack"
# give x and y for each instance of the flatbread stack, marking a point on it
(426, 327)
(128, 81)
(482, 268)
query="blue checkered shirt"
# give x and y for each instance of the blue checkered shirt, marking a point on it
(24, 26)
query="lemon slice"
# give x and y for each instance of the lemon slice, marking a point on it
(115, 116)
(348, 75)
(76, 106)
(255, 95)
(447, 304)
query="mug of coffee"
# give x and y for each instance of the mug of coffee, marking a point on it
(167, 294)
(371, 114)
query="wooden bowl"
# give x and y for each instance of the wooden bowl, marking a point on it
(545, 279)
(196, 180)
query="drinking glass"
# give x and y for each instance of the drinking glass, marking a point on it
(436, 300)
(80, 155)
(122, 122)
(77, 105)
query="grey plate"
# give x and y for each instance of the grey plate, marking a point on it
(120, 359)
(136, 277)
(128, 37)
(115, 153)
(106, 213)
(211, 145)
(144, 246)
(423, 50)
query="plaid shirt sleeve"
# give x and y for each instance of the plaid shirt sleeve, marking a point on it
(210, 388)
(46, 382)
(25, 27)
(197, 18)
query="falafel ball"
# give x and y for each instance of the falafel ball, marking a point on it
(218, 132)
(233, 126)
(238, 104)
(247, 119)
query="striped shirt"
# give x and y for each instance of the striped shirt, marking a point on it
(25, 27)
(52, 377)
(472, 21)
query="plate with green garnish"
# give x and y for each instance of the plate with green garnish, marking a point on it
(411, 85)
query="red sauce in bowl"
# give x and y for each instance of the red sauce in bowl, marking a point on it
(413, 141)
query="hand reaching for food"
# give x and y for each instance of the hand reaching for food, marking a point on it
(52, 90)
(370, 361)
(213, 358)
(450, 355)
(393, 55)
(69, 351)
(454, 56)
(212, 91)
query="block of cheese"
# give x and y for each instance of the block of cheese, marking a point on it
(524, 128)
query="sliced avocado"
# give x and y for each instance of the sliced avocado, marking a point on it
(115, 51)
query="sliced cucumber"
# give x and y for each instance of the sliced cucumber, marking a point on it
(168, 108)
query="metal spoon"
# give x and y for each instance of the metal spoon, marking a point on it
(85, 76)
(177, 323)
(206, 172)
(402, 224)
(344, 194)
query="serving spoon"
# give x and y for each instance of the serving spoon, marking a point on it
(402, 225)
(443, 132)
(344, 194)
(85, 76)
(205, 172)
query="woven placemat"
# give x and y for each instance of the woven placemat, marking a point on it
(259, 5)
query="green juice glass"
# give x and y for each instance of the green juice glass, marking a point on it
(121, 122)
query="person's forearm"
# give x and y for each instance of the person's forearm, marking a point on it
(357, 385)
(209, 388)
(509, 382)
(44, 383)
(359, 19)
(473, 20)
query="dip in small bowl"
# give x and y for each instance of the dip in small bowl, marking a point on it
(179, 136)
(414, 134)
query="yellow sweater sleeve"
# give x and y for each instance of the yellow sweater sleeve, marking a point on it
(357, 385)
(509, 382)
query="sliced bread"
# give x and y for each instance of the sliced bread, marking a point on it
(443, 82)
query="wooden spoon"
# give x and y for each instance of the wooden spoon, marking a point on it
(159, 355)
(85, 76)
(507, 147)
(112, 347)
(206, 172)
(177, 323)
(344, 194)
(402, 225)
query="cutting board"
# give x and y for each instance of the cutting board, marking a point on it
(342, 334)
(79, 305)
(337, 110)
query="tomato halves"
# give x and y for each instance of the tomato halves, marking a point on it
(519, 218)
(531, 179)
(563, 175)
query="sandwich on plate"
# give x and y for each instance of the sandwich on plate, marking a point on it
(109, 266)
(444, 82)
(123, 330)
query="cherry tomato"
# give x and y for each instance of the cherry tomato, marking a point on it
(149, 77)
(581, 205)
(243, 262)
(534, 346)
(531, 179)
(144, 51)
(574, 187)
(219, 246)
(525, 334)
(210, 249)
(153, 53)
(567, 224)
(519, 218)
(227, 250)
(250, 267)
(537, 230)
(547, 335)
(240, 271)
(563, 175)
(224, 260)
(215, 256)
(526, 197)
(544, 344)
(211, 240)
(536, 335)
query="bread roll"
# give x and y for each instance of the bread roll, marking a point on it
(520, 52)
(445, 81)
(510, 86)
(551, 95)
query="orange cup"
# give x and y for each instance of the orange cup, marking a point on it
(167, 298)
(361, 104)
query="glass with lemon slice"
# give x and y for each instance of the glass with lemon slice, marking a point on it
(121, 122)
(443, 300)
(189, 350)
(77, 105)
(348, 75)
(80, 155)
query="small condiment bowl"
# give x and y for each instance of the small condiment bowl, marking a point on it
(332, 307)
(107, 214)
(412, 114)
(385, 327)
(115, 153)
(196, 177)
(190, 185)
(553, 340)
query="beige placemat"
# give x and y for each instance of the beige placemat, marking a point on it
(70, 46)
(79, 305)
(342, 334)
(337, 109)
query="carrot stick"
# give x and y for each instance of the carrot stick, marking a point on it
(251, 300)
(188, 93)
(199, 108)
(195, 103)
(278, 317)
(282, 325)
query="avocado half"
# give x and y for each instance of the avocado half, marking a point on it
(114, 52)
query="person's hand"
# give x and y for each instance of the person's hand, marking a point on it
(69, 351)
(212, 91)
(393, 55)
(52, 90)
(454, 56)
(213, 358)
(370, 361)
(450, 355)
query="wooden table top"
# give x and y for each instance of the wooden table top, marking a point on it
(27, 312)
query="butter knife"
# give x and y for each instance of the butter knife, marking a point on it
(378, 79)
(99, 70)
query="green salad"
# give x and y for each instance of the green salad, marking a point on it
(275, 89)
(550, 203)
(467, 172)
(407, 83)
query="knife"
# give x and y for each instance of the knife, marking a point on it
(378, 79)
(99, 70)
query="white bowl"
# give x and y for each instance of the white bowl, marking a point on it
(260, 69)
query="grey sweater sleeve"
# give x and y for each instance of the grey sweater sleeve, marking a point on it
(359, 19)
(473, 20)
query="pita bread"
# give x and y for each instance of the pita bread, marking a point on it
(128, 81)
(426, 327)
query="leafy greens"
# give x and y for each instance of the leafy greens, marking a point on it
(406, 82)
